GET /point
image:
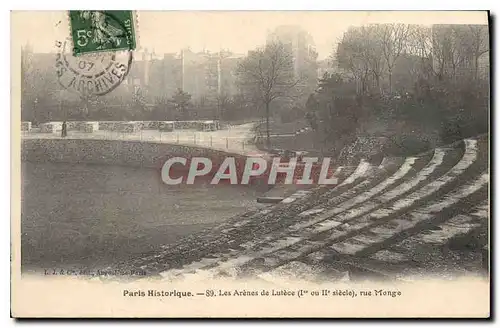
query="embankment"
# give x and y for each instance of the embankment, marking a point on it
(114, 152)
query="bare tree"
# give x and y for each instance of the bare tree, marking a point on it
(420, 45)
(374, 53)
(361, 53)
(267, 74)
(442, 49)
(352, 55)
(456, 52)
(450, 49)
(478, 44)
(393, 40)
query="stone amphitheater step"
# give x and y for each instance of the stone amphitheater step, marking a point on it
(267, 245)
(272, 222)
(376, 237)
(356, 194)
(214, 240)
(361, 171)
(416, 256)
(439, 236)
(428, 251)
(350, 198)
(386, 167)
(337, 196)
(307, 244)
(336, 227)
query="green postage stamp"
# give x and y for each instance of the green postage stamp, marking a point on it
(106, 30)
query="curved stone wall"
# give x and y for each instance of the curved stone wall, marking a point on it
(114, 152)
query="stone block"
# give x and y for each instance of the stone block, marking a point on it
(166, 126)
(50, 127)
(127, 127)
(26, 126)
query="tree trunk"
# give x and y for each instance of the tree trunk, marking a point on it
(390, 82)
(268, 135)
(379, 88)
(476, 67)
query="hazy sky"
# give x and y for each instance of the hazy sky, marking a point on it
(169, 31)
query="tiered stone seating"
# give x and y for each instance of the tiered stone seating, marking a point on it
(378, 221)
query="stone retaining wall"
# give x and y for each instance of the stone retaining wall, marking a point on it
(114, 152)
(127, 126)
(26, 126)
(166, 126)
(50, 127)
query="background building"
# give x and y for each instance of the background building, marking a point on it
(201, 74)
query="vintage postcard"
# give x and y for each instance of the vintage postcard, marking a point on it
(243, 164)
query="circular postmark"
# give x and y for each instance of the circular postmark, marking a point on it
(91, 74)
